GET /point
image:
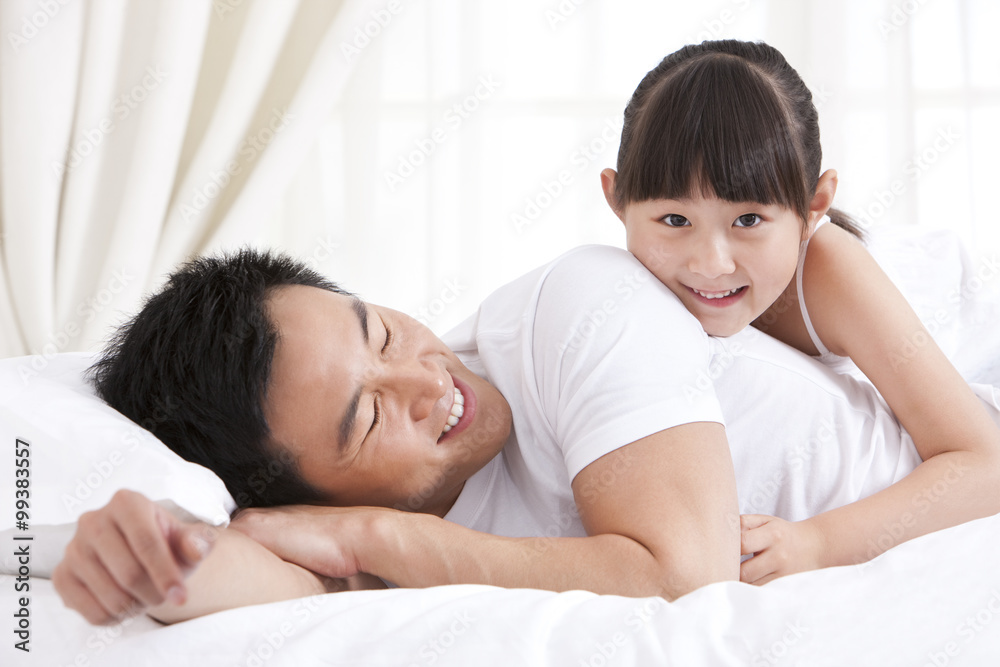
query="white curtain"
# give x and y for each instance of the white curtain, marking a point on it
(134, 134)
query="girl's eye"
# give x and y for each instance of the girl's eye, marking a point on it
(747, 220)
(674, 220)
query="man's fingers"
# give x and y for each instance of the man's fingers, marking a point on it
(190, 543)
(103, 588)
(251, 521)
(75, 595)
(257, 524)
(119, 557)
(141, 527)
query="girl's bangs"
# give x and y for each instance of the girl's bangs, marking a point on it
(715, 127)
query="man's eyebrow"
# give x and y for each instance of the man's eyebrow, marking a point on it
(351, 414)
(361, 310)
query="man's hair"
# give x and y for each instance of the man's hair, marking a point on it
(193, 367)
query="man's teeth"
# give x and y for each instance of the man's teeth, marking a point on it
(457, 410)
(717, 295)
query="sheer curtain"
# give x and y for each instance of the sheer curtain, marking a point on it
(134, 134)
(429, 188)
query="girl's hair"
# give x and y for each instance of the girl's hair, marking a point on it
(729, 119)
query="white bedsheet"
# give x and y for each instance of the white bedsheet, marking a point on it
(932, 601)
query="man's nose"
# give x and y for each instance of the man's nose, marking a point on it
(420, 384)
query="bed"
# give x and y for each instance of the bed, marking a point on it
(932, 601)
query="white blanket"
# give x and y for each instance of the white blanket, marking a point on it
(932, 601)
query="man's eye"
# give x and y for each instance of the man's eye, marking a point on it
(674, 220)
(747, 220)
(377, 417)
(388, 340)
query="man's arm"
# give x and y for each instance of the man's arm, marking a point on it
(661, 514)
(133, 554)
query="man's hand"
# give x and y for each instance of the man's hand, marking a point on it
(320, 539)
(779, 547)
(129, 555)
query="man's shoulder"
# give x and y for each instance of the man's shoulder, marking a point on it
(605, 278)
(595, 265)
(588, 286)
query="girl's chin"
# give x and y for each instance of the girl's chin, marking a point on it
(723, 329)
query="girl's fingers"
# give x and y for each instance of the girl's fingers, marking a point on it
(755, 540)
(765, 579)
(751, 521)
(755, 570)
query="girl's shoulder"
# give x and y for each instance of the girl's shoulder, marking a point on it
(830, 253)
(834, 261)
(839, 278)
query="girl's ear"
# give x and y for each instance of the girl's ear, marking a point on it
(826, 188)
(608, 184)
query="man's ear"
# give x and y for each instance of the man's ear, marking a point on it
(608, 185)
(822, 200)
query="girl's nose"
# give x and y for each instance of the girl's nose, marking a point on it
(712, 258)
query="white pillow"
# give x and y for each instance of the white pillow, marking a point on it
(80, 452)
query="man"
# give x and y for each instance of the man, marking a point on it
(568, 435)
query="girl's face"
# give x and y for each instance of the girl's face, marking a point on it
(727, 262)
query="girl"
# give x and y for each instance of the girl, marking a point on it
(720, 191)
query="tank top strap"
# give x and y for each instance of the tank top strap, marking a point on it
(798, 290)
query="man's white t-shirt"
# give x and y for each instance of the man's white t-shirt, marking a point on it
(593, 353)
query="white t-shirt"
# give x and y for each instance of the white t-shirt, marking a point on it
(593, 353)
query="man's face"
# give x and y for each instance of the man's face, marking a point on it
(362, 396)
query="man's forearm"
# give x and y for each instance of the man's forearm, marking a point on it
(422, 550)
(239, 572)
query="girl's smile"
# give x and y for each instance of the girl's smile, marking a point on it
(718, 299)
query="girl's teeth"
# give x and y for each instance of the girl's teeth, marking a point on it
(457, 410)
(718, 295)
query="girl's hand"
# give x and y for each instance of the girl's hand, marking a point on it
(324, 540)
(778, 547)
